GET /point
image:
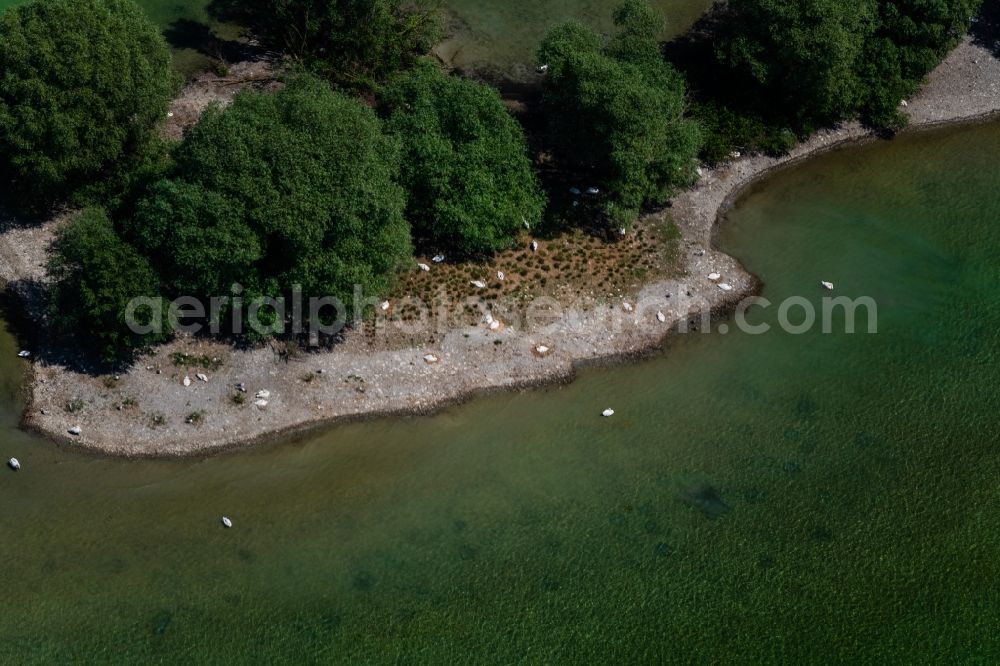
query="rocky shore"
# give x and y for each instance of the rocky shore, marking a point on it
(196, 396)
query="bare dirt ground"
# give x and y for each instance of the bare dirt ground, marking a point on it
(150, 411)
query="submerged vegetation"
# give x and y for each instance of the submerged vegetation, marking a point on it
(370, 149)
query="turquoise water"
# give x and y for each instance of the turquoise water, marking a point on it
(801, 499)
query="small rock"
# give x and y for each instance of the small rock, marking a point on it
(187, 381)
(534, 246)
(500, 276)
(384, 306)
(627, 307)
(261, 403)
(438, 258)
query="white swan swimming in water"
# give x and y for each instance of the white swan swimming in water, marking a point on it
(608, 412)
(14, 464)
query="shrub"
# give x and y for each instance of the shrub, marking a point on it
(95, 276)
(616, 110)
(82, 85)
(354, 42)
(465, 163)
(278, 191)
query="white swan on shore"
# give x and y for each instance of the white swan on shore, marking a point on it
(424, 267)
(431, 359)
(14, 464)
(660, 317)
(534, 246)
(263, 394)
(592, 191)
(608, 412)
(187, 381)
(384, 306)
(24, 353)
(202, 377)
(500, 276)
(725, 287)
(479, 284)
(714, 276)
(76, 431)
(438, 258)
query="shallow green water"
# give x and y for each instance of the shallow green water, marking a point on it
(814, 498)
(499, 34)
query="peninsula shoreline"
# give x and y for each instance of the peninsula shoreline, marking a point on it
(964, 89)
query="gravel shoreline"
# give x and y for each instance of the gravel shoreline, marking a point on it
(149, 412)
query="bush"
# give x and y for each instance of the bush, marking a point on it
(616, 111)
(277, 191)
(812, 62)
(465, 163)
(354, 42)
(95, 275)
(82, 85)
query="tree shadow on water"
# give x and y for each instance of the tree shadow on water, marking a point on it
(986, 29)
(188, 34)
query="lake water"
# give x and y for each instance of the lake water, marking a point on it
(495, 34)
(814, 498)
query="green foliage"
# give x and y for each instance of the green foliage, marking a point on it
(354, 42)
(82, 85)
(616, 111)
(465, 163)
(294, 188)
(811, 62)
(801, 53)
(95, 276)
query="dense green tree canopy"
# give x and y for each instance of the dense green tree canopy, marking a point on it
(82, 84)
(465, 163)
(95, 276)
(354, 42)
(809, 62)
(616, 110)
(802, 52)
(294, 188)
